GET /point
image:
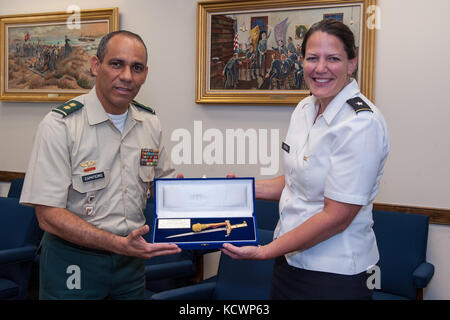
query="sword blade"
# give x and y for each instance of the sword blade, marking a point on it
(191, 233)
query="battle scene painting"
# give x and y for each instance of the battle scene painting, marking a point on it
(262, 50)
(51, 56)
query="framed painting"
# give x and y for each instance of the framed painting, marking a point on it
(337, 16)
(46, 56)
(242, 44)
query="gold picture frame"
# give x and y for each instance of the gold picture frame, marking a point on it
(45, 56)
(225, 28)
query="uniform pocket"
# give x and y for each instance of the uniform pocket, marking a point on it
(146, 173)
(91, 182)
(314, 172)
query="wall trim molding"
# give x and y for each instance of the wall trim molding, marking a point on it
(8, 176)
(437, 215)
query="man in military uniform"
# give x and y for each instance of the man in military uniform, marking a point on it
(278, 70)
(262, 50)
(92, 165)
(290, 45)
(230, 69)
(250, 56)
(281, 48)
(298, 72)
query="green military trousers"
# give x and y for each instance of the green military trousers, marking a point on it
(68, 271)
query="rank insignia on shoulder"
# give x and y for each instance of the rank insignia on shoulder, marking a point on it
(68, 108)
(140, 105)
(359, 104)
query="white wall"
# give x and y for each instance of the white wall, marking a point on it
(412, 80)
(411, 77)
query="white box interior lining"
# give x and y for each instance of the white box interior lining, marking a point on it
(204, 198)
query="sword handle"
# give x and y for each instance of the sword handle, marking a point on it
(235, 226)
(202, 226)
(240, 225)
(197, 227)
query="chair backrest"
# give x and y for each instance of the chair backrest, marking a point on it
(149, 213)
(245, 279)
(15, 189)
(402, 243)
(18, 225)
(266, 213)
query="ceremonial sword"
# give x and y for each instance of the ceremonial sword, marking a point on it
(196, 227)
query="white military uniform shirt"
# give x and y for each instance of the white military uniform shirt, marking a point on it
(341, 156)
(82, 162)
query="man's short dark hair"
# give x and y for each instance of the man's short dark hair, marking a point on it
(101, 50)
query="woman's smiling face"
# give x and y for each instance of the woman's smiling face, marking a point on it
(326, 66)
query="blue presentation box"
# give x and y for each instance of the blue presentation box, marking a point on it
(204, 213)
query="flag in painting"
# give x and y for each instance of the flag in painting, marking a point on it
(280, 30)
(236, 37)
(254, 34)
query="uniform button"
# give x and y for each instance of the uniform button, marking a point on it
(90, 199)
(124, 166)
(305, 158)
(125, 190)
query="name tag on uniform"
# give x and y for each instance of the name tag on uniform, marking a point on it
(285, 147)
(93, 177)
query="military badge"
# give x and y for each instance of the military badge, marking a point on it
(89, 211)
(149, 157)
(88, 165)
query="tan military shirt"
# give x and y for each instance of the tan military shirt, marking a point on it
(82, 162)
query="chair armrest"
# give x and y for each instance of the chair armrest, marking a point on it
(201, 291)
(17, 254)
(423, 274)
(169, 270)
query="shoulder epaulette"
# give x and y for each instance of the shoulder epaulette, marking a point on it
(139, 105)
(68, 108)
(359, 104)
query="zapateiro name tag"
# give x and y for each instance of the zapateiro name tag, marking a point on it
(92, 177)
(174, 223)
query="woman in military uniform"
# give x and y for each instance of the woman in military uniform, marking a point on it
(334, 153)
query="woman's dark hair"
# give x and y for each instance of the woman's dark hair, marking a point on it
(101, 50)
(337, 29)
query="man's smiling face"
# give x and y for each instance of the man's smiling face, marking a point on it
(121, 73)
